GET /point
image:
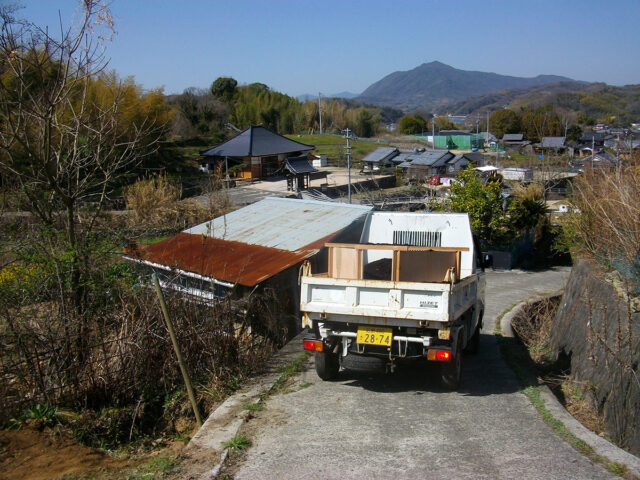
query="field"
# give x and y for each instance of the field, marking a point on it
(334, 147)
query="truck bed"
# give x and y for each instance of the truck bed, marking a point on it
(386, 303)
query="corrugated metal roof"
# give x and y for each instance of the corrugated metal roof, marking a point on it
(233, 262)
(287, 224)
(259, 241)
(256, 141)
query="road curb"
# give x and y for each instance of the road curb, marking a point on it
(225, 421)
(600, 445)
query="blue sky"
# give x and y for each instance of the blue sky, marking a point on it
(329, 46)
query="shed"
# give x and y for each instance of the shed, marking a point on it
(260, 245)
(300, 172)
(258, 151)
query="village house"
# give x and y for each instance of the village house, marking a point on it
(555, 145)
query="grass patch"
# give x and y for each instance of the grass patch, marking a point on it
(238, 443)
(294, 367)
(151, 240)
(157, 468)
(304, 385)
(253, 407)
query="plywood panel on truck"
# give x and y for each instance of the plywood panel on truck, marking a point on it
(426, 266)
(345, 263)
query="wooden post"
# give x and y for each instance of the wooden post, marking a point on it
(176, 348)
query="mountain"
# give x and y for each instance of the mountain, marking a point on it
(516, 97)
(596, 100)
(435, 85)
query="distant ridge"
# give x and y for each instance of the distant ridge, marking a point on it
(434, 85)
(311, 96)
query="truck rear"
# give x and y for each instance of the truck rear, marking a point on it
(412, 288)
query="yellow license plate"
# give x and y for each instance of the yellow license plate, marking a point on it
(374, 336)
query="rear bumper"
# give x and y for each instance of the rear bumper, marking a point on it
(409, 346)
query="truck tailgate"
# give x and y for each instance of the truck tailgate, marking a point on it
(385, 303)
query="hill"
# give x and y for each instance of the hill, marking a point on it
(435, 85)
(596, 100)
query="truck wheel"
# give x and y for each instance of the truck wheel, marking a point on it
(474, 342)
(450, 373)
(327, 365)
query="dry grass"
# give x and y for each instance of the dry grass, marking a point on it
(149, 197)
(607, 225)
(531, 191)
(155, 203)
(533, 324)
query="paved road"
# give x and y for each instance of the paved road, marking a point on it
(374, 425)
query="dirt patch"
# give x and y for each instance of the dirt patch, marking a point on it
(30, 454)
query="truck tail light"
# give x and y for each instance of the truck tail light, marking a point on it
(439, 355)
(313, 345)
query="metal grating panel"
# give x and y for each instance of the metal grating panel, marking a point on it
(417, 238)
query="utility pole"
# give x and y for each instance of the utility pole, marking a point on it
(320, 112)
(348, 136)
(487, 125)
(433, 132)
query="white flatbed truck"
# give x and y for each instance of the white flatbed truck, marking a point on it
(413, 287)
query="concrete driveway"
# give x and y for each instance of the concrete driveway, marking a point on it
(403, 425)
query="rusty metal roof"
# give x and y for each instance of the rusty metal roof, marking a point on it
(284, 223)
(255, 242)
(230, 261)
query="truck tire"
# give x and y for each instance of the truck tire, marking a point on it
(450, 372)
(327, 365)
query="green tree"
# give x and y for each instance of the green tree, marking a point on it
(483, 202)
(504, 121)
(412, 124)
(574, 133)
(366, 123)
(224, 89)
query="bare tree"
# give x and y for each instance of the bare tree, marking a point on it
(66, 132)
